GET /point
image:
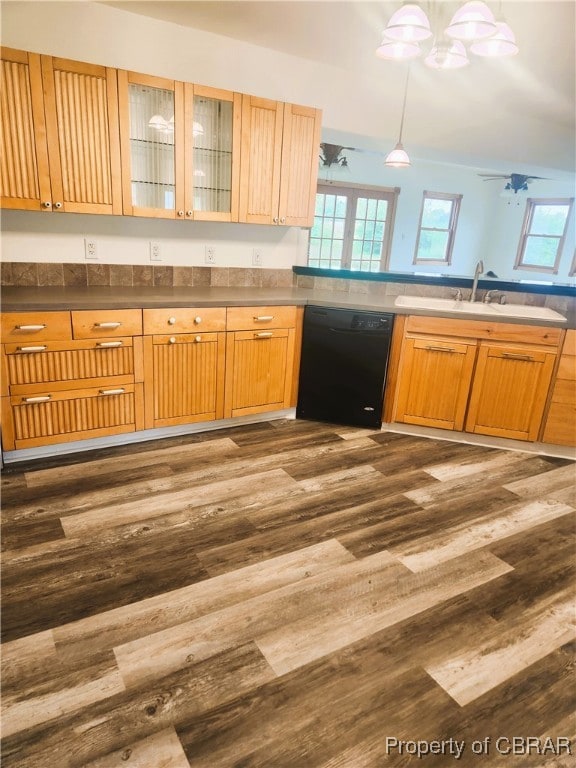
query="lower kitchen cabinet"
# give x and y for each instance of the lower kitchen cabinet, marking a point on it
(184, 378)
(476, 376)
(560, 422)
(261, 358)
(56, 389)
(434, 381)
(509, 392)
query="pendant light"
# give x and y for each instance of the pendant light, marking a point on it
(447, 54)
(398, 158)
(473, 21)
(408, 24)
(503, 43)
(396, 50)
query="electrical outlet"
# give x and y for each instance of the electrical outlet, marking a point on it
(210, 254)
(90, 249)
(257, 257)
(155, 254)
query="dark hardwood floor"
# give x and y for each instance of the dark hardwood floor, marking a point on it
(289, 595)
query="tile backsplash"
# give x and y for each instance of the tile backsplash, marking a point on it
(55, 274)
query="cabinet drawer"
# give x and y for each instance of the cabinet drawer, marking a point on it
(68, 364)
(246, 318)
(100, 323)
(184, 320)
(35, 326)
(57, 417)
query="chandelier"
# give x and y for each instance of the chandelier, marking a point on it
(473, 24)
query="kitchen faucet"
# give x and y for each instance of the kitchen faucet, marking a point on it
(477, 272)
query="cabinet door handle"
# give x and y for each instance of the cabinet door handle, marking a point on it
(283, 220)
(107, 344)
(119, 391)
(198, 338)
(512, 356)
(263, 335)
(189, 213)
(57, 205)
(30, 327)
(47, 204)
(263, 318)
(275, 219)
(32, 349)
(107, 325)
(38, 399)
(180, 213)
(440, 349)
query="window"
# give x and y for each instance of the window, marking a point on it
(437, 226)
(543, 233)
(352, 228)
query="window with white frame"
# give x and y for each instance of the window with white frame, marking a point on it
(437, 227)
(543, 234)
(352, 228)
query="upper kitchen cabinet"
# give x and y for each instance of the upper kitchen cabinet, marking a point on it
(180, 149)
(212, 157)
(24, 174)
(279, 164)
(152, 141)
(60, 138)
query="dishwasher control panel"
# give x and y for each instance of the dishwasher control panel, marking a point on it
(366, 322)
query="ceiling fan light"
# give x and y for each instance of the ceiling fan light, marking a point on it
(398, 158)
(503, 43)
(447, 55)
(396, 50)
(473, 21)
(408, 24)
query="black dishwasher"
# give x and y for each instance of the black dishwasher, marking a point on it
(343, 365)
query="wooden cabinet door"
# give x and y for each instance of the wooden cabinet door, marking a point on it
(260, 160)
(299, 174)
(152, 144)
(24, 174)
(560, 426)
(259, 371)
(434, 381)
(81, 103)
(212, 153)
(510, 389)
(184, 378)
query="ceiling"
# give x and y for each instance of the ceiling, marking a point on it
(519, 110)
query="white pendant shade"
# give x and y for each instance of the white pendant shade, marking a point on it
(398, 158)
(473, 21)
(503, 43)
(397, 50)
(409, 24)
(197, 129)
(447, 55)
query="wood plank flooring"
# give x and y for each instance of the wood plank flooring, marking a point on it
(289, 595)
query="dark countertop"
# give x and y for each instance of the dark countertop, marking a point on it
(105, 297)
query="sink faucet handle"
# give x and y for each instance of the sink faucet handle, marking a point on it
(457, 293)
(491, 294)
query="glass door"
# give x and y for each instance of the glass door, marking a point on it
(212, 168)
(151, 136)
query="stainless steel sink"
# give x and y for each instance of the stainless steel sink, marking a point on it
(493, 311)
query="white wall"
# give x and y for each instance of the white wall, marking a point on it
(488, 226)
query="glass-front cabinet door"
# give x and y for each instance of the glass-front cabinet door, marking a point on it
(213, 149)
(152, 140)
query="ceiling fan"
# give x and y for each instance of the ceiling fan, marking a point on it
(331, 154)
(517, 181)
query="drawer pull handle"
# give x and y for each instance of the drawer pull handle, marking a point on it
(263, 335)
(112, 391)
(198, 320)
(107, 325)
(108, 344)
(171, 321)
(263, 318)
(198, 338)
(30, 327)
(440, 349)
(172, 340)
(511, 356)
(38, 399)
(32, 349)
